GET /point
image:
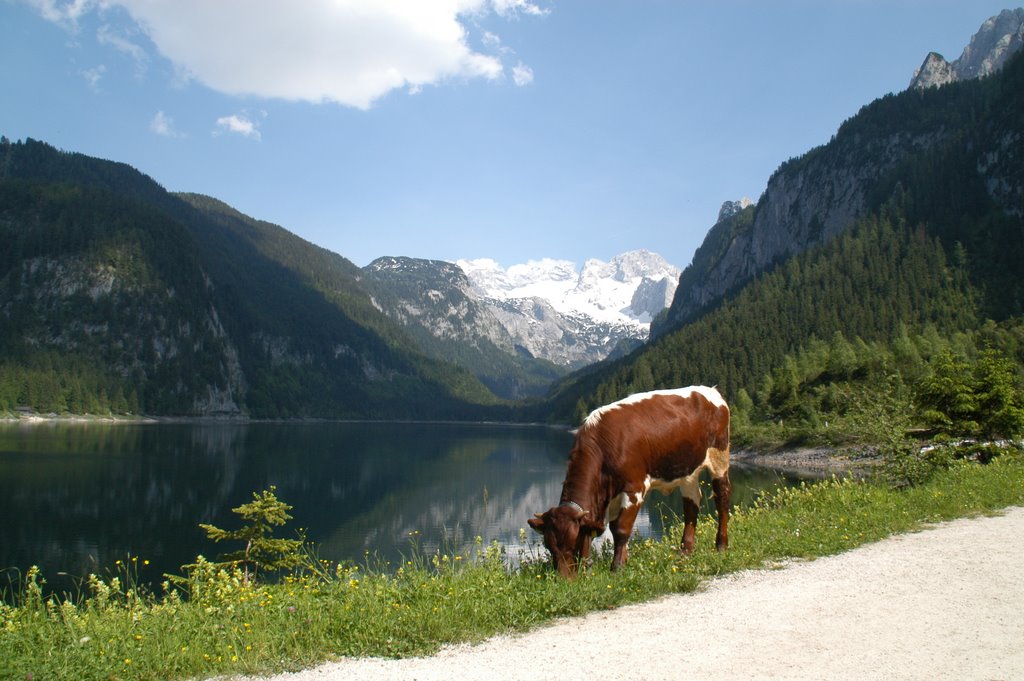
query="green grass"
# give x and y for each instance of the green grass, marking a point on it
(224, 625)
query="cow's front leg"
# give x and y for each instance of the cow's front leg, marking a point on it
(689, 526)
(622, 528)
(583, 549)
(723, 494)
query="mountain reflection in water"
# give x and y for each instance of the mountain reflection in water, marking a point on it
(76, 498)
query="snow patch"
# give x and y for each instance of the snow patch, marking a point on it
(604, 291)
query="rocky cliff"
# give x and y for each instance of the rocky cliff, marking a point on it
(439, 308)
(997, 40)
(807, 202)
(811, 199)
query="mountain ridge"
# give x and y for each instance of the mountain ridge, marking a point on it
(998, 39)
(811, 199)
(116, 295)
(520, 328)
(605, 291)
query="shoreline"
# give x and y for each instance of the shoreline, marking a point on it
(44, 419)
(809, 461)
(114, 419)
(819, 461)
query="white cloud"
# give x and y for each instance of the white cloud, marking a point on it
(507, 8)
(163, 125)
(93, 76)
(107, 35)
(522, 74)
(239, 124)
(66, 13)
(352, 52)
(493, 41)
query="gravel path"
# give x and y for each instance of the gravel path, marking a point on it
(944, 603)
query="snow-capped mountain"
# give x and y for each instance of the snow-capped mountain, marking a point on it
(572, 316)
(604, 291)
(509, 325)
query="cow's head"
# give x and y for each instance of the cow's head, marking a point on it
(567, 531)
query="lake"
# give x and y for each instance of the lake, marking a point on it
(75, 498)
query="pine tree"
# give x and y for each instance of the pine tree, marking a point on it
(842, 359)
(947, 396)
(1000, 407)
(261, 551)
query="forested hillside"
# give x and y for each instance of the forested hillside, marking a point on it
(933, 270)
(949, 157)
(116, 296)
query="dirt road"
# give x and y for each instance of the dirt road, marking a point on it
(944, 603)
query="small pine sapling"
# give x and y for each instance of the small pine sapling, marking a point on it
(262, 552)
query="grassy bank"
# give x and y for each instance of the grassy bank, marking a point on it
(227, 626)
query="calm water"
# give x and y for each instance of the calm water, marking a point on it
(76, 498)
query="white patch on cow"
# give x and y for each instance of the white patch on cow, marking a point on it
(688, 486)
(614, 508)
(620, 502)
(710, 394)
(715, 462)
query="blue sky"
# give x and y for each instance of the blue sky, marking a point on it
(509, 129)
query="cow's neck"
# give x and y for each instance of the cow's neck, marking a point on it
(584, 484)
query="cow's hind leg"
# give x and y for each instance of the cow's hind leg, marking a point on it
(718, 460)
(722, 487)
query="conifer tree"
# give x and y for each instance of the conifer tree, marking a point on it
(948, 398)
(1000, 407)
(261, 551)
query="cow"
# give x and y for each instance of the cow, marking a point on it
(659, 440)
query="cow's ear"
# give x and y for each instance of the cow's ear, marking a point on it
(537, 522)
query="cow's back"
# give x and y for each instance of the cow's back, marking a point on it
(664, 434)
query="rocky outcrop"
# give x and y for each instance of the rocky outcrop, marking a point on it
(435, 296)
(806, 203)
(997, 40)
(811, 199)
(652, 296)
(934, 72)
(731, 208)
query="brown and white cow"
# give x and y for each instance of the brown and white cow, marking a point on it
(658, 440)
